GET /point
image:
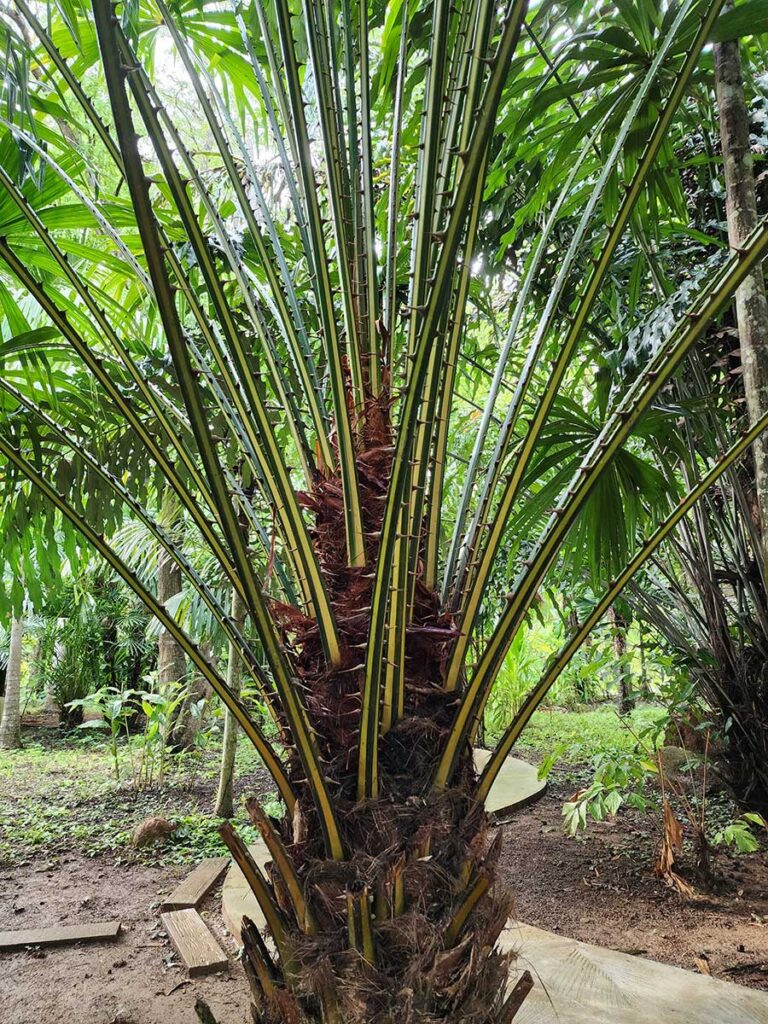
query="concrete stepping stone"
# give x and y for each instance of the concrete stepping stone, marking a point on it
(517, 785)
(577, 983)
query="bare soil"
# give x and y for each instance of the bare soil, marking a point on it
(599, 888)
(135, 980)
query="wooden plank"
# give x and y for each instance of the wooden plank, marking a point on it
(60, 935)
(194, 943)
(190, 892)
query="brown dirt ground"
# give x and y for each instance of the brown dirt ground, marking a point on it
(135, 980)
(599, 889)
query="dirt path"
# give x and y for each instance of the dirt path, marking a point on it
(135, 980)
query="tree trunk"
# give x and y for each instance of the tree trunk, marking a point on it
(33, 666)
(171, 663)
(188, 723)
(10, 725)
(619, 626)
(741, 213)
(224, 805)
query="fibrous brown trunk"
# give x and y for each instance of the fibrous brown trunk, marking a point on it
(10, 724)
(741, 212)
(224, 804)
(404, 928)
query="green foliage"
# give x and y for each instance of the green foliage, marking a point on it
(59, 795)
(574, 736)
(70, 664)
(618, 779)
(740, 833)
(116, 710)
(89, 637)
(158, 707)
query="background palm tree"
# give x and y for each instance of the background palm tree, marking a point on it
(273, 329)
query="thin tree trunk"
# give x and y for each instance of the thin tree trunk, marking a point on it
(188, 722)
(741, 213)
(224, 803)
(33, 666)
(619, 627)
(10, 724)
(171, 663)
(58, 655)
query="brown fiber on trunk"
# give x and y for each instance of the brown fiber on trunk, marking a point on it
(388, 940)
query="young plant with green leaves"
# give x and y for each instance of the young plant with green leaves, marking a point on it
(273, 311)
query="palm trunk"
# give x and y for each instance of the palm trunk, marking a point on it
(404, 928)
(187, 724)
(224, 804)
(171, 662)
(741, 213)
(10, 725)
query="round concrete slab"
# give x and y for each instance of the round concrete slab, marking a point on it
(577, 983)
(517, 785)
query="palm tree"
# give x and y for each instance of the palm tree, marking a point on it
(285, 354)
(10, 722)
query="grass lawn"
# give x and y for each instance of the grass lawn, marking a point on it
(581, 734)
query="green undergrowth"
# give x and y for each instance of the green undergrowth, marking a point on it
(59, 796)
(579, 735)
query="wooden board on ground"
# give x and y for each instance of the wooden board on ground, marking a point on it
(577, 983)
(517, 785)
(190, 892)
(60, 935)
(194, 942)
